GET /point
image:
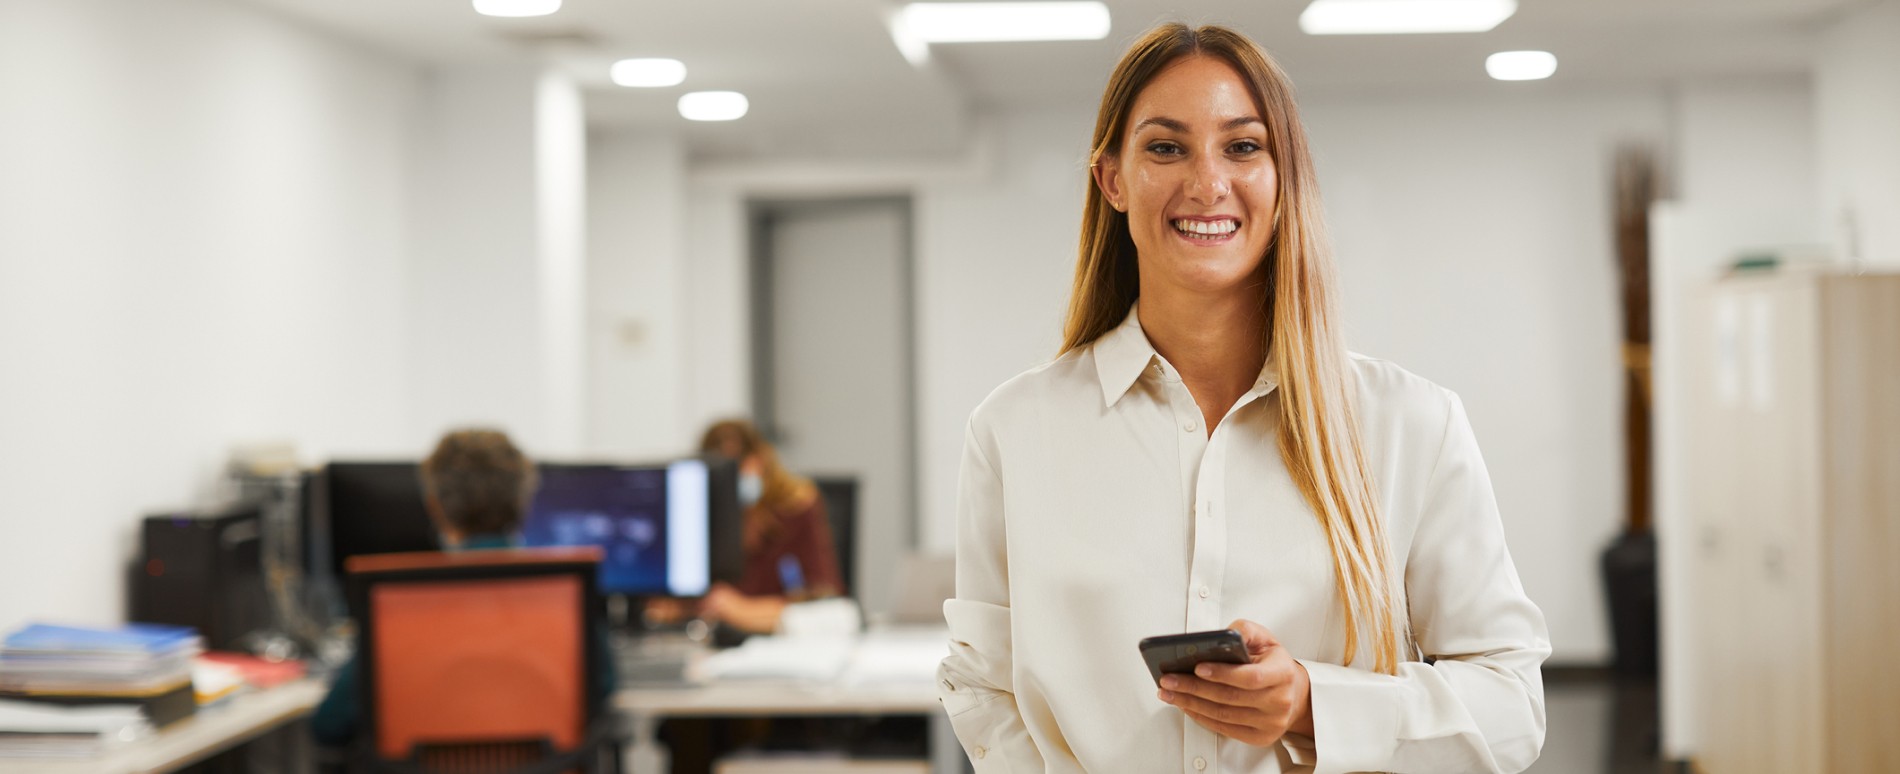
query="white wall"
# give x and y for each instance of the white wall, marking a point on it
(218, 227)
(637, 266)
(1473, 237)
(498, 298)
(202, 229)
(995, 256)
(560, 186)
(1857, 121)
(718, 377)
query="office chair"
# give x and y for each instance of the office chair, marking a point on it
(841, 508)
(480, 661)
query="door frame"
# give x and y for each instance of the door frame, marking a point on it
(761, 217)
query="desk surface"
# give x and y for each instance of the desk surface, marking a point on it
(211, 731)
(887, 672)
(778, 697)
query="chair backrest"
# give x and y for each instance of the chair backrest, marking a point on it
(841, 507)
(480, 649)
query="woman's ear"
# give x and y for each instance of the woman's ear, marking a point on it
(1107, 172)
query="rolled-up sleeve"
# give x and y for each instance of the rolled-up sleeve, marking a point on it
(1479, 706)
(974, 682)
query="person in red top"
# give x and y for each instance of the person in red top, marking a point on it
(789, 554)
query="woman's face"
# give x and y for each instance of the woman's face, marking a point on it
(1195, 178)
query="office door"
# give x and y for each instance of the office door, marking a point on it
(833, 362)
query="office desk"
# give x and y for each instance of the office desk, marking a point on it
(645, 706)
(209, 732)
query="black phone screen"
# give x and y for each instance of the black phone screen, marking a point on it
(1178, 653)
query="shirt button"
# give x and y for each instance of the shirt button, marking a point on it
(1204, 592)
(1200, 763)
(1189, 426)
(979, 752)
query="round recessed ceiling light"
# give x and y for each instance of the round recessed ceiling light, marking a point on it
(649, 73)
(713, 106)
(517, 7)
(1521, 65)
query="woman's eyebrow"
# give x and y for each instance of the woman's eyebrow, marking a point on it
(1165, 123)
(1177, 126)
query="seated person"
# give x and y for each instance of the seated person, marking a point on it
(789, 556)
(476, 486)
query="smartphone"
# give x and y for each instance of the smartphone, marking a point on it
(1178, 653)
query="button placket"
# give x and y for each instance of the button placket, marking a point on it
(1208, 564)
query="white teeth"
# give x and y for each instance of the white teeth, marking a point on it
(1207, 228)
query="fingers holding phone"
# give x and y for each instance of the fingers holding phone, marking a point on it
(1256, 701)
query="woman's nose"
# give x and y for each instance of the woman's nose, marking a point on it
(1207, 182)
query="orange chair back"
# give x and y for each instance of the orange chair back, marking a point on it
(477, 647)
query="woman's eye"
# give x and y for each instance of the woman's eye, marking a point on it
(1164, 148)
(1244, 147)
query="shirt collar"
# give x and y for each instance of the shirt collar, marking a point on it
(1122, 353)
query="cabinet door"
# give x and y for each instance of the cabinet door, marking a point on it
(1782, 417)
(1755, 493)
(1723, 533)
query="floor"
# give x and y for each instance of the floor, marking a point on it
(1597, 723)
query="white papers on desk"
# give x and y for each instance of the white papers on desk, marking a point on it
(881, 657)
(39, 730)
(816, 659)
(899, 656)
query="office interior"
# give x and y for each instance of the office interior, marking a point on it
(318, 230)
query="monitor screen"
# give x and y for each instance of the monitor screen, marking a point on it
(652, 523)
(371, 508)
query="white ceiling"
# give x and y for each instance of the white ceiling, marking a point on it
(825, 80)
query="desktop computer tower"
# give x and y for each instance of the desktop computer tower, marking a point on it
(204, 571)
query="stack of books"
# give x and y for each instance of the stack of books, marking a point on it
(38, 730)
(145, 665)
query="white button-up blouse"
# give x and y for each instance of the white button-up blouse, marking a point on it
(1094, 510)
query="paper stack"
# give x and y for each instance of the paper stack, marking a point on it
(147, 665)
(40, 730)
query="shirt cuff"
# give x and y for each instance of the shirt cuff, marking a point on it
(1355, 719)
(1299, 749)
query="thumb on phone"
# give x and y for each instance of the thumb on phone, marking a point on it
(1258, 638)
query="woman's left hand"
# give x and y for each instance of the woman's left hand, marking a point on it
(1256, 703)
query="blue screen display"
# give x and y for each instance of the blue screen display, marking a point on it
(649, 522)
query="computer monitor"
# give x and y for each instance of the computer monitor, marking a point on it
(653, 523)
(368, 508)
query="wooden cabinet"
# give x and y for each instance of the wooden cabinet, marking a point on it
(1794, 441)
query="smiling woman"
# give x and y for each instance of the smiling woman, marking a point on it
(1206, 454)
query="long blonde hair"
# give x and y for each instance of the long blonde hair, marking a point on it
(1319, 437)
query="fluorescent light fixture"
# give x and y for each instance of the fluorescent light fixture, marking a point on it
(517, 7)
(1393, 17)
(1520, 65)
(985, 22)
(713, 105)
(649, 73)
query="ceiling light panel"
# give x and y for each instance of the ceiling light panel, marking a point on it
(988, 22)
(648, 73)
(517, 7)
(1521, 65)
(1397, 17)
(713, 106)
